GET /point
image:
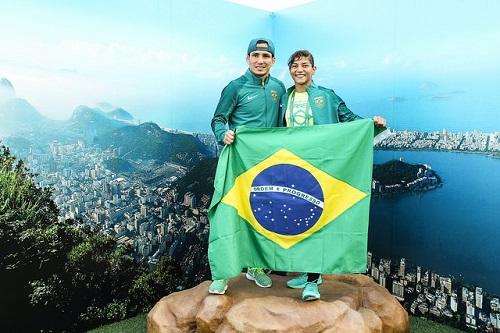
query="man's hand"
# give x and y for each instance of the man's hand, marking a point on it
(229, 137)
(379, 121)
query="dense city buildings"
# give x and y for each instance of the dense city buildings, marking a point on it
(437, 297)
(445, 141)
(139, 208)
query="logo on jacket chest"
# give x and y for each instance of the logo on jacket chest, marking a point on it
(319, 101)
(274, 95)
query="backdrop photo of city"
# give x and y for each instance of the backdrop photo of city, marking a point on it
(107, 212)
(149, 189)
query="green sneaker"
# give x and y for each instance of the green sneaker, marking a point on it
(300, 281)
(310, 292)
(261, 279)
(218, 287)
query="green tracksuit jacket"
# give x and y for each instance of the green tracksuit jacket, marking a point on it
(326, 106)
(248, 101)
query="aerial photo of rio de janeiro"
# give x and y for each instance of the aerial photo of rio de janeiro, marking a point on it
(111, 165)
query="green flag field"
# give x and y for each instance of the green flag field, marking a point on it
(293, 199)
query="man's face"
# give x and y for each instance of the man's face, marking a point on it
(260, 62)
(302, 71)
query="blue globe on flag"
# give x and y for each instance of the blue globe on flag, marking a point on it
(286, 199)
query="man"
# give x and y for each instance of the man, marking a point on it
(307, 104)
(251, 100)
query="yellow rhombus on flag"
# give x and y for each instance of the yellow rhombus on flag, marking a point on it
(339, 196)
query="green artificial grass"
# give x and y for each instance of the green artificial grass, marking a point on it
(138, 325)
(419, 325)
(135, 324)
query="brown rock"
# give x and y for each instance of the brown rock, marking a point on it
(371, 319)
(212, 312)
(349, 303)
(177, 312)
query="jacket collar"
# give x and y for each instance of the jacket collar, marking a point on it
(312, 86)
(256, 79)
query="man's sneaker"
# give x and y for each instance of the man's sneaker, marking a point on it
(261, 279)
(218, 287)
(300, 281)
(310, 292)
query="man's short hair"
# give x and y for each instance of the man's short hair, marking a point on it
(299, 54)
(252, 46)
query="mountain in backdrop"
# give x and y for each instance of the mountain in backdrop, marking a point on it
(7, 90)
(149, 142)
(22, 126)
(17, 114)
(395, 171)
(397, 177)
(120, 114)
(199, 180)
(22, 123)
(19, 110)
(21, 120)
(114, 112)
(88, 123)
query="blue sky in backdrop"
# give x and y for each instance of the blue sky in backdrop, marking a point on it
(424, 65)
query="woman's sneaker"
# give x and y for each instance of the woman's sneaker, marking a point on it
(310, 292)
(218, 287)
(300, 281)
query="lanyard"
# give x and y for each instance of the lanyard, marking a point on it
(291, 116)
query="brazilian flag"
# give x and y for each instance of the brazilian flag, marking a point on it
(293, 199)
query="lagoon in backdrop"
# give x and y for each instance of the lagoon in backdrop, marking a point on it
(453, 229)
